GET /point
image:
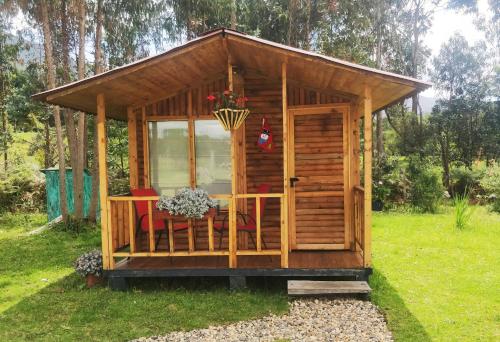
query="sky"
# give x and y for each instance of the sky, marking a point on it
(445, 24)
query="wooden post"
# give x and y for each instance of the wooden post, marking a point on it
(233, 243)
(107, 259)
(367, 110)
(132, 149)
(284, 203)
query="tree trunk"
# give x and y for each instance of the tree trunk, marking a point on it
(5, 145)
(81, 148)
(292, 11)
(51, 82)
(444, 144)
(307, 33)
(378, 59)
(380, 135)
(233, 14)
(69, 119)
(98, 69)
(47, 160)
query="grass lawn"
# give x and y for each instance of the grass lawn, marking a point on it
(42, 299)
(433, 283)
(437, 283)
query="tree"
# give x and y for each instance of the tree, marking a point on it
(9, 51)
(459, 72)
(51, 83)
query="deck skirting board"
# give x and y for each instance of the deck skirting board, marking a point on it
(356, 273)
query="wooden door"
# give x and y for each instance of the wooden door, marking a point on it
(319, 177)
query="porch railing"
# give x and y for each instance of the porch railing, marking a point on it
(124, 242)
(359, 217)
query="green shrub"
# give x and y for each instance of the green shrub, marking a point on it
(22, 190)
(491, 185)
(426, 189)
(464, 179)
(390, 181)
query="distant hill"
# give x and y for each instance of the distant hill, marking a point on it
(425, 102)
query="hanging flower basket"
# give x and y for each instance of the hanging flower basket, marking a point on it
(229, 109)
(231, 118)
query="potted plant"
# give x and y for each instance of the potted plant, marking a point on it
(89, 265)
(380, 193)
(189, 203)
(229, 108)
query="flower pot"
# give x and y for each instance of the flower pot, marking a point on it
(231, 118)
(91, 280)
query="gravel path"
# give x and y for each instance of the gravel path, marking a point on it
(308, 320)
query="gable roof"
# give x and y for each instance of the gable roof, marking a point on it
(205, 58)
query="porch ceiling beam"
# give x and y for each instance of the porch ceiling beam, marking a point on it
(171, 92)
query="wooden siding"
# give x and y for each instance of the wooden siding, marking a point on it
(264, 100)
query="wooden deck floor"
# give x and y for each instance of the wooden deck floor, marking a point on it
(297, 259)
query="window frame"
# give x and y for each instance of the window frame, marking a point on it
(191, 143)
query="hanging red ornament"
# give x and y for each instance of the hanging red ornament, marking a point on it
(265, 141)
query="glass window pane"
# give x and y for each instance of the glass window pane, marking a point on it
(213, 157)
(168, 156)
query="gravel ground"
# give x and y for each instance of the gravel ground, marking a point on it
(308, 320)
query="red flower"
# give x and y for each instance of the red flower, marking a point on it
(210, 97)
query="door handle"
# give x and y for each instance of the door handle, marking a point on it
(293, 180)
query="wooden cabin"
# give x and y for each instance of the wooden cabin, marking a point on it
(317, 215)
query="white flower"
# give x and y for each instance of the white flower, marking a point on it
(187, 202)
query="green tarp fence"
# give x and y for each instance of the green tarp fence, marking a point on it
(52, 189)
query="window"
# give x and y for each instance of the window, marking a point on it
(213, 157)
(168, 156)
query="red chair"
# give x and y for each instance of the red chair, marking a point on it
(249, 223)
(141, 211)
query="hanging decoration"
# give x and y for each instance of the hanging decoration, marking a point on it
(229, 109)
(265, 141)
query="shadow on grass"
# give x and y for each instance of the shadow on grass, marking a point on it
(67, 311)
(402, 323)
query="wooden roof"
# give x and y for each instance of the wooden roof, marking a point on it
(205, 58)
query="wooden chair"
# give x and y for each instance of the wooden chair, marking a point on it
(249, 222)
(142, 220)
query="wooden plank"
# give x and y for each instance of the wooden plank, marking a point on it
(262, 252)
(168, 254)
(171, 245)
(103, 182)
(190, 235)
(320, 246)
(211, 234)
(132, 149)
(257, 229)
(310, 287)
(367, 109)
